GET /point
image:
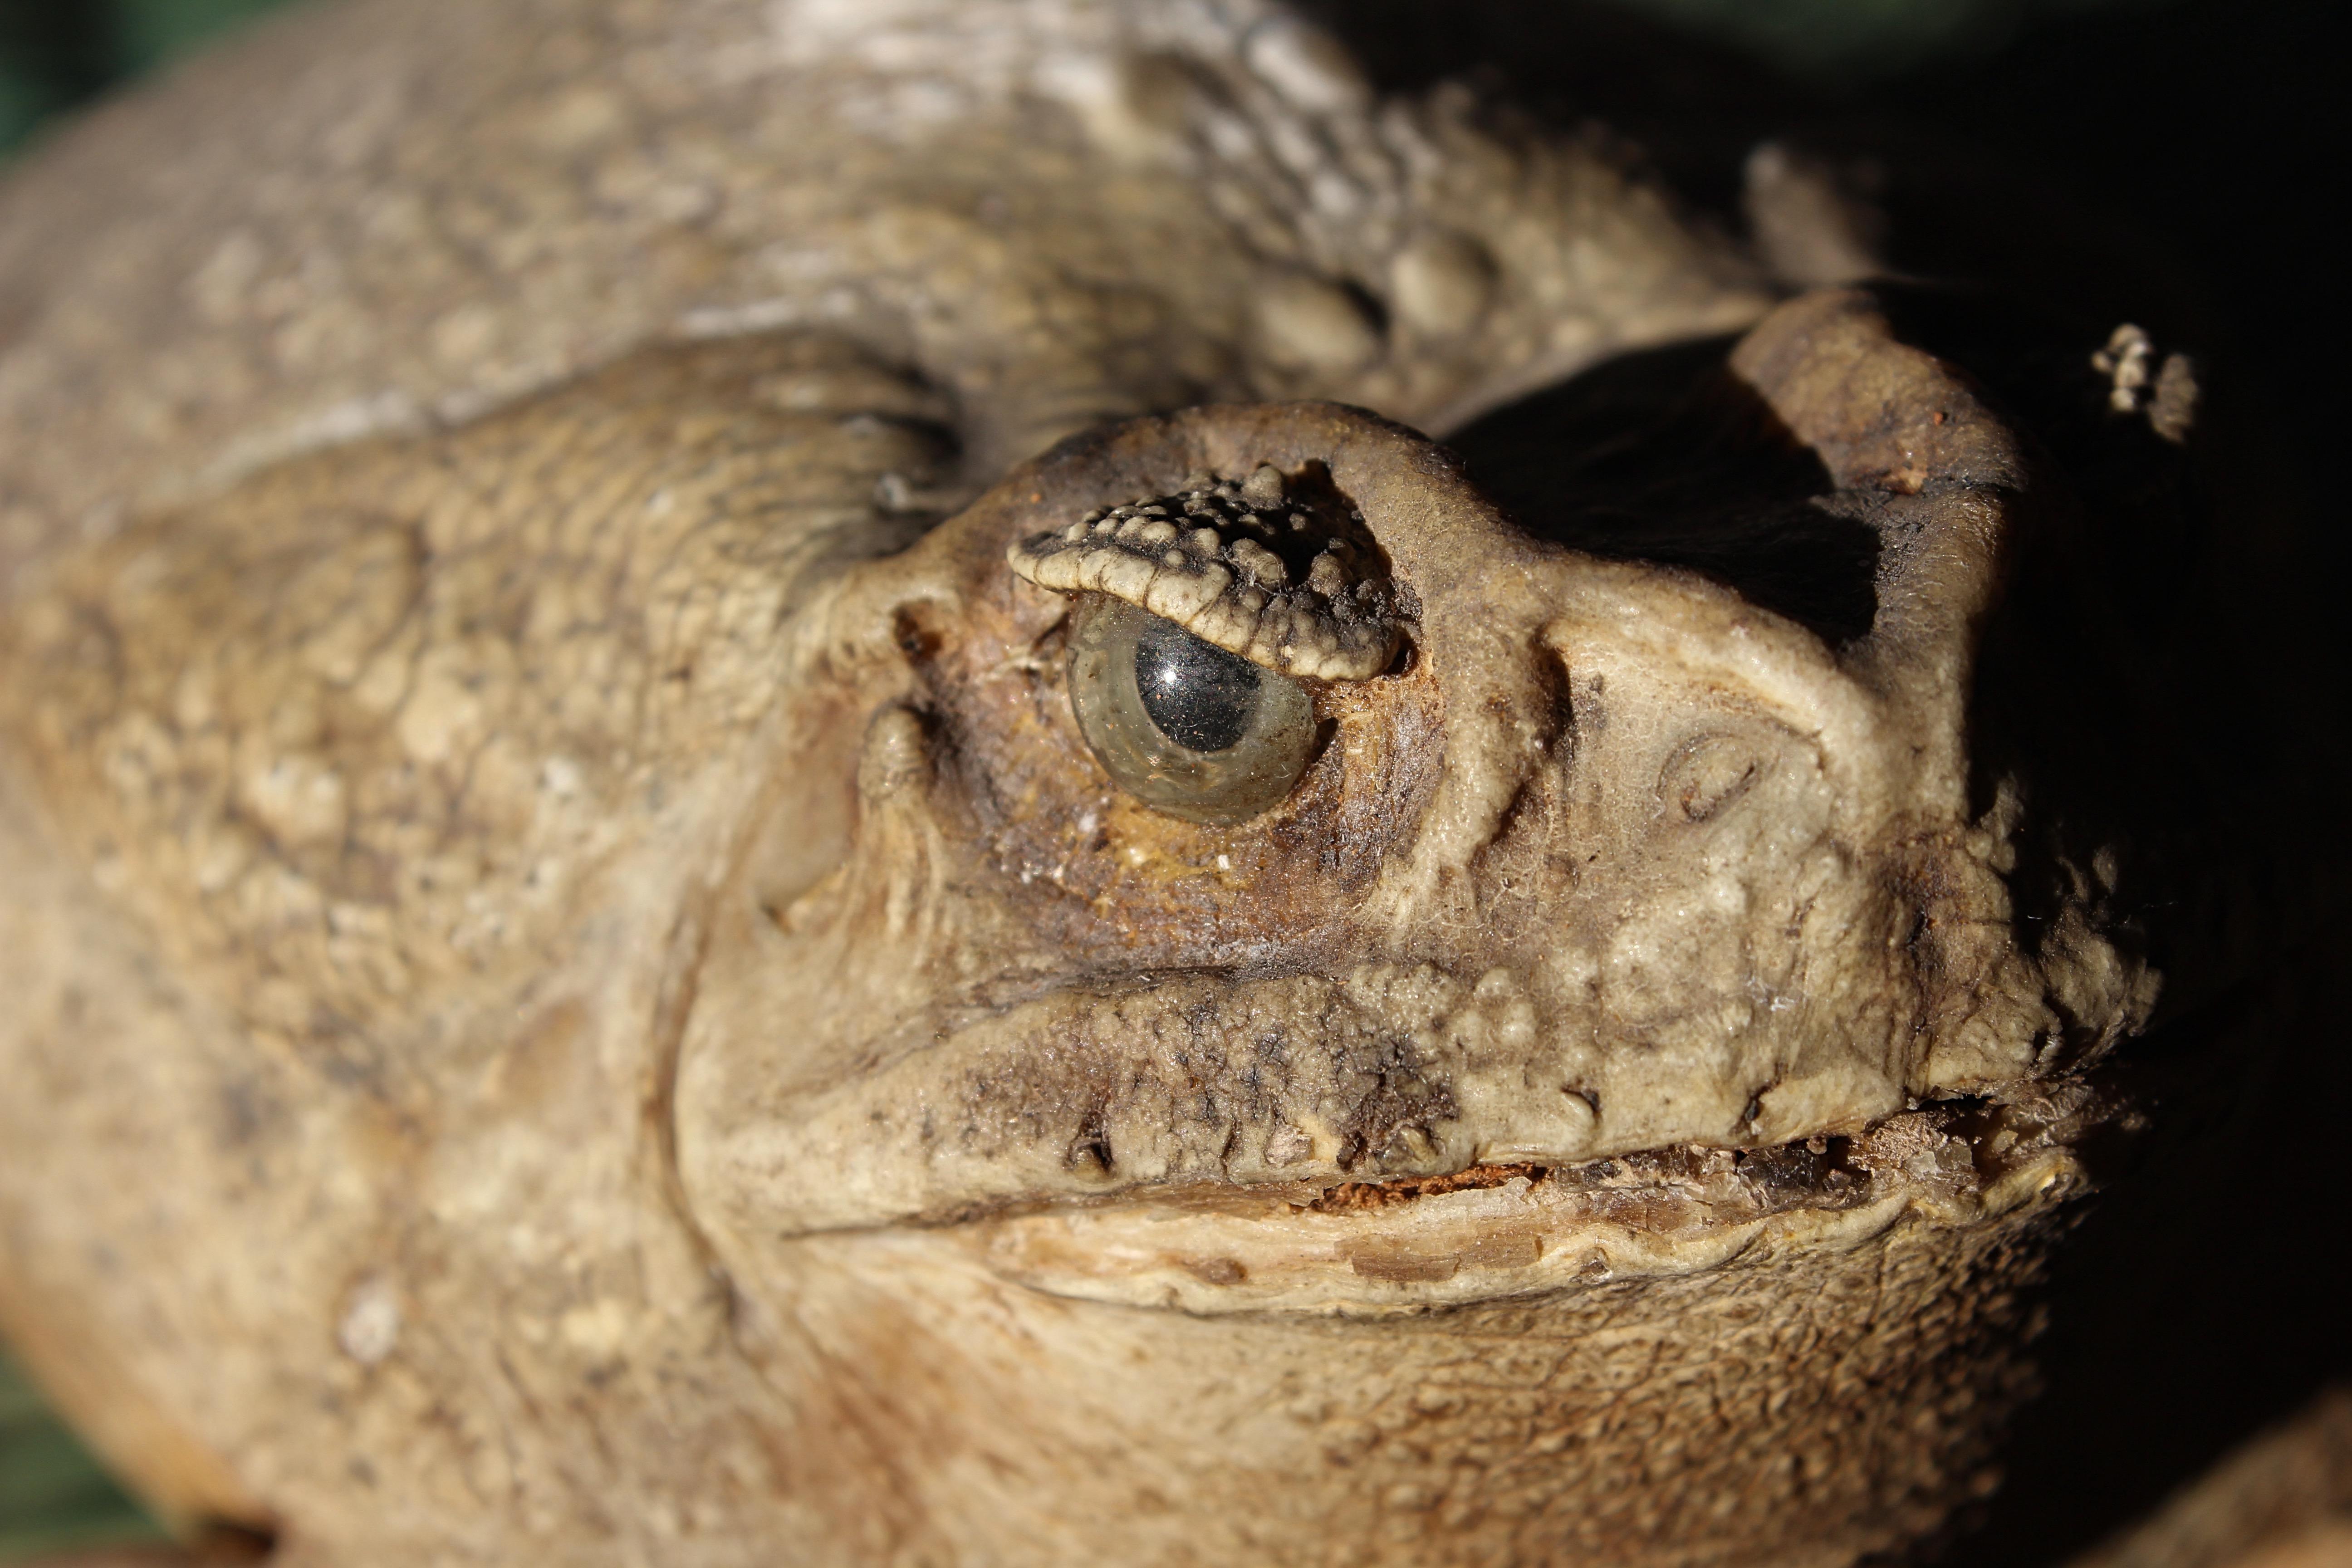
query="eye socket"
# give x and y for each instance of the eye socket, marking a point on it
(1183, 725)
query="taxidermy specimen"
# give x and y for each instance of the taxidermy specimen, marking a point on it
(994, 782)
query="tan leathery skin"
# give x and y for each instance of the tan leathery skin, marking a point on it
(538, 805)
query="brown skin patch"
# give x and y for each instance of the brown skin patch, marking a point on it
(1350, 1196)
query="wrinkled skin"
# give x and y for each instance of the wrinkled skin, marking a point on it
(578, 995)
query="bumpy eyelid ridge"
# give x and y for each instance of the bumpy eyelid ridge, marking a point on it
(1203, 558)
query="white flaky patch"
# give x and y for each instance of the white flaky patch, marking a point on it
(1210, 559)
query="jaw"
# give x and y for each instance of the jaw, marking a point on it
(1388, 1139)
(1506, 1363)
(1329, 1140)
(1309, 1145)
(1516, 1371)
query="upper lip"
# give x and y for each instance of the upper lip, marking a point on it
(1214, 1144)
(1079, 1095)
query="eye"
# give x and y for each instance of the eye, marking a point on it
(1183, 725)
(1198, 614)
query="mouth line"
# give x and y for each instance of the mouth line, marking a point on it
(1498, 1231)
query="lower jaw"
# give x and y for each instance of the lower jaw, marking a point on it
(1689, 1357)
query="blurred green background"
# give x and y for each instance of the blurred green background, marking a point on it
(52, 1495)
(2201, 119)
(54, 54)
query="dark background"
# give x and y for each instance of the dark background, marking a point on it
(2172, 164)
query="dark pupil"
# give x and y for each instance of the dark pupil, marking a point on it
(1200, 697)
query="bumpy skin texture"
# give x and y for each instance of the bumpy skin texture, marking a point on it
(386, 215)
(577, 996)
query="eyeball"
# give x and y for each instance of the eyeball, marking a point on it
(1180, 724)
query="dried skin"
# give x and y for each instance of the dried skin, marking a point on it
(647, 1033)
(1289, 1055)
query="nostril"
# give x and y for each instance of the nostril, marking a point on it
(1706, 773)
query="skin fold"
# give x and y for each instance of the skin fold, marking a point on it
(578, 994)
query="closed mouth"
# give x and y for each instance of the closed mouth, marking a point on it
(1127, 1152)
(1494, 1232)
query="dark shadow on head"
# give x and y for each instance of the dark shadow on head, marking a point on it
(1664, 455)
